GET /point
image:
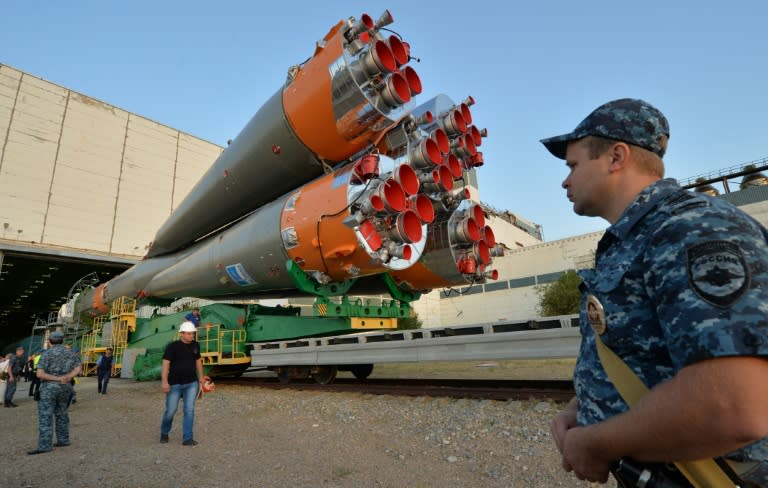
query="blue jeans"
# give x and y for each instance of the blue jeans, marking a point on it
(188, 391)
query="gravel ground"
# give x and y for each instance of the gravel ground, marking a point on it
(250, 437)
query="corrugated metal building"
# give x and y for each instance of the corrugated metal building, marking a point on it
(80, 173)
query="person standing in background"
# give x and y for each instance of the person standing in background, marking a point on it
(181, 377)
(104, 370)
(14, 375)
(194, 317)
(34, 388)
(57, 368)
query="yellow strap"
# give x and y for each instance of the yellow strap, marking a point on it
(704, 473)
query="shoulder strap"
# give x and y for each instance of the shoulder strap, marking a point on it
(703, 473)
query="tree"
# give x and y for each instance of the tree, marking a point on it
(561, 297)
(409, 323)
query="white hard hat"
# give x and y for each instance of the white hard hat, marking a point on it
(187, 327)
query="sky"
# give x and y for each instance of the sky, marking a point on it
(536, 69)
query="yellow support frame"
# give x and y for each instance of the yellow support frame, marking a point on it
(122, 318)
(214, 339)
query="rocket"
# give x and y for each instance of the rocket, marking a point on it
(340, 174)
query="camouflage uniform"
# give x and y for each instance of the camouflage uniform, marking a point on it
(54, 396)
(682, 277)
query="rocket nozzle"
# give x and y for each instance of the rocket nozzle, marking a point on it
(477, 159)
(408, 179)
(404, 251)
(407, 228)
(482, 252)
(474, 133)
(438, 180)
(426, 154)
(442, 141)
(414, 82)
(466, 231)
(384, 19)
(395, 90)
(469, 144)
(476, 212)
(492, 274)
(363, 25)
(466, 113)
(488, 236)
(497, 251)
(446, 178)
(425, 118)
(378, 59)
(386, 197)
(469, 101)
(454, 165)
(453, 122)
(398, 50)
(422, 205)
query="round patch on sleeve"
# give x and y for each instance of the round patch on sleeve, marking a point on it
(718, 272)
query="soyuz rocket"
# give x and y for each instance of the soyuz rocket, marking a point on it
(339, 173)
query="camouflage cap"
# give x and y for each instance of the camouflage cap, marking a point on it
(627, 120)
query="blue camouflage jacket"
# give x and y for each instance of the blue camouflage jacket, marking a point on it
(58, 360)
(682, 277)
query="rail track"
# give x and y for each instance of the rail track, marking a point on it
(555, 390)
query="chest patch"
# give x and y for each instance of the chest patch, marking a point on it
(718, 272)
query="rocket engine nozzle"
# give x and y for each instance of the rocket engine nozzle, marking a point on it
(414, 82)
(489, 237)
(365, 24)
(378, 59)
(395, 90)
(408, 179)
(426, 154)
(384, 19)
(398, 50)
(422, 205)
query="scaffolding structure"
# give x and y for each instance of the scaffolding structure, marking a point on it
(109, 331)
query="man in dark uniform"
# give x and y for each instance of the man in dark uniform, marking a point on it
(104, 370)
(15, 368)
(679, 293)
(181, 377)
(56, 369)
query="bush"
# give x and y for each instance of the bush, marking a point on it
(409, 323)
(561, 297)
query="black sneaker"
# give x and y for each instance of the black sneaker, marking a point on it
(163, 438)
(189, 442)
(62, 444)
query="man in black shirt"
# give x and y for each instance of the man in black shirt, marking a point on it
(181, 375)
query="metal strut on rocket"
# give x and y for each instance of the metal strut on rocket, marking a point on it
(337, 172)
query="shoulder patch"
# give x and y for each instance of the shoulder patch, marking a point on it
(718, 272)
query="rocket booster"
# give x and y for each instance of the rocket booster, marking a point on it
(338, 173)
(336, 104)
